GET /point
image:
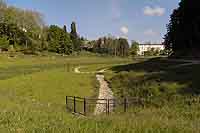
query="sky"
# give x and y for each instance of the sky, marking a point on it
(139, 20)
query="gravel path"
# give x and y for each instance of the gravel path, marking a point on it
(77, 70)
(104, 91)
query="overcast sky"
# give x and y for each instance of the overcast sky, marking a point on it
(140, 20)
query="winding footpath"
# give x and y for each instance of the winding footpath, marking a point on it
(104, 91)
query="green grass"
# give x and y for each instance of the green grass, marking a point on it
(159, 80)
(98, 67)
(38, 100)
(166, 120)
(33, 90)
(155, 77)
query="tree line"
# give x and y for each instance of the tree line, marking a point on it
(26, 31)
(109, 46)
(183, 30)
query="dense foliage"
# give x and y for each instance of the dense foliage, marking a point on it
(59, 41)
(183, 34)
(75, 38)
(20, 28)
(134, 48)
(110, 46)
(11, 34)
(25, 31)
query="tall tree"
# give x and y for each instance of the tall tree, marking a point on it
(22, 27)
(183, 31)
(134, 48)
(75, 38)
(73, 33)
(111, 46)
(123, 47)
(65, 28)
(59, 41)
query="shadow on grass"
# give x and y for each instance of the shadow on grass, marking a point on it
(150, 65)
(159, 73)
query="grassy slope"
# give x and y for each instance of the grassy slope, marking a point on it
(34, 101)
(37, 100)
(155, 77)
(155, 72)
(158, 77)
(33, 90)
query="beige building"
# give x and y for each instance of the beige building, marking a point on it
(147, 47)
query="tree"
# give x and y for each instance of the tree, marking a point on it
(65, 28)
(3, 7)
(14, 35)
(59, 41)
(73, 33)
(22, 27)
(75, 38)
(183, 30)
(65, 46)
(123, 47)
(134, 48)
(111, 46)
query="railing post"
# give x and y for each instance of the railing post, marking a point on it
(84, 106)
(125, 104)
(66, 103)
(112, 105)
(68, 68)
(105, 103)
(108, 102)
(74, 104)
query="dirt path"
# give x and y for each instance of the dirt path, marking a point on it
(104, 91)
(77, 70)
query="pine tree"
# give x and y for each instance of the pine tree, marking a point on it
(73, 33)
(75, 38)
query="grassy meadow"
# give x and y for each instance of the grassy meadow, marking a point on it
(155, 77)
(33, 90)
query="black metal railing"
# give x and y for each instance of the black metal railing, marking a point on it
(92, 106)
